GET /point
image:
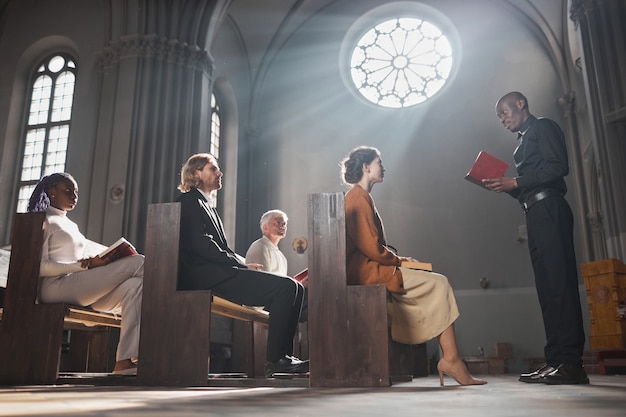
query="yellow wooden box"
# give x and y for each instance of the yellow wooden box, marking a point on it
(605, 282)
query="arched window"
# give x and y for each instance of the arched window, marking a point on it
(401, 62)
(401, 54)
(47, 124)
(216, 132)
(215, 127)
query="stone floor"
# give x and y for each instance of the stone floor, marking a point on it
(503, 396)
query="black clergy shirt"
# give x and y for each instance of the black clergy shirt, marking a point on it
(540, 158)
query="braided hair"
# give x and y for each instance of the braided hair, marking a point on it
(39, 200)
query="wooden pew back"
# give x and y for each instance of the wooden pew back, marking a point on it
(175, 325)
(31, 334)
(348, 327)
(174, 346)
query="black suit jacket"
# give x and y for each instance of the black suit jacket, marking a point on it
(205, 258)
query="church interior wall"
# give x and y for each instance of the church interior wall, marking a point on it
(310, 119)
(289, 126)
(28, 37)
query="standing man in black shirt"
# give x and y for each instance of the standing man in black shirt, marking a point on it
(541, 163)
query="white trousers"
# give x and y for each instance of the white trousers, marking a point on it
(114, 288)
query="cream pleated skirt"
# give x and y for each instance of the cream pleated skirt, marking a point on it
(425, 311)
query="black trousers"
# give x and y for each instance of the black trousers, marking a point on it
(550, 239)
(281, 296)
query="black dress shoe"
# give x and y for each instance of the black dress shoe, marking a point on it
(567, 374)
(537, 376)
(286, 365)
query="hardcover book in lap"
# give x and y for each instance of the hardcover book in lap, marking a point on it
(424, 266)
(301, 275)
(119, 249)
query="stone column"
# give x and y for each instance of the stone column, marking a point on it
(604, 64)
(154, 112)
(589, 215)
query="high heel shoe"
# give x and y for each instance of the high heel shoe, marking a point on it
(458, 371)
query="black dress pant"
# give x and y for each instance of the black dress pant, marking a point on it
(550, 240)
(281, 296)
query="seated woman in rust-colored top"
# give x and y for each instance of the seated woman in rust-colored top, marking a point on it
(424, 306)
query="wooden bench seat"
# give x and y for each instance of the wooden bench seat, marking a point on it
(236, 311)
(80, 317)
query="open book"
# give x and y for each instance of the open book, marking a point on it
(424, 266)
(118, 250)
(301, 275)
(486, 166)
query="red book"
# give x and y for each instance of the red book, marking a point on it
(119, 249)
(486, 166)
(301, 275)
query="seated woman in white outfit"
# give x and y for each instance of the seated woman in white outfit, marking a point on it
(71, 274)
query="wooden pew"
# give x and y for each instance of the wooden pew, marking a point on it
(348, 326)
(31, 334)
(175, 325)
(174, 340)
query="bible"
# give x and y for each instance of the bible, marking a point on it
(301, 275)
(119, 249)
(486, 166)
(424, 266)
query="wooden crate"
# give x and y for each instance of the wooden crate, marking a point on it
(477, 365)
(605, 283)
(497, 365)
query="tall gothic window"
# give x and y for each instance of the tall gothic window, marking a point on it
(215, 127)
(48, 123)
(214, 147)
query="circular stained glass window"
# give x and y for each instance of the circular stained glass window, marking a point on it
(401, 62)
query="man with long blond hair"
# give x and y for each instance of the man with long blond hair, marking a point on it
(208, 263)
